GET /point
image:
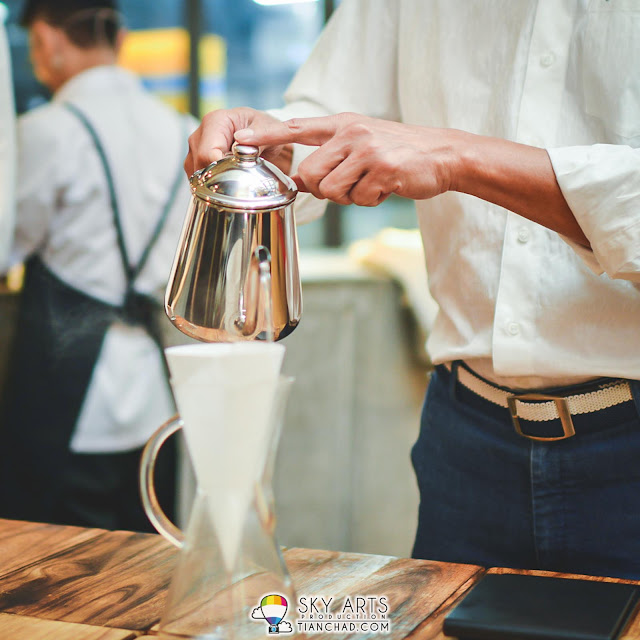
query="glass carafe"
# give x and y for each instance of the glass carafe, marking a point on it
(230, 580)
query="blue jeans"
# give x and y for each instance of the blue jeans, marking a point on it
(491, 497)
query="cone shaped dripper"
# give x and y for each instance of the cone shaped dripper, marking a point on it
(225, 395)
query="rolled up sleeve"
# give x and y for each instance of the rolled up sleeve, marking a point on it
(601, 184)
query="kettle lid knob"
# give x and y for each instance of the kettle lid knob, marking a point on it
(245, 152)
(245, 181)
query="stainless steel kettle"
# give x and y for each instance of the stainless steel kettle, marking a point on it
(235, 273)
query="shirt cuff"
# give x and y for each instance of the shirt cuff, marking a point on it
(601, 184)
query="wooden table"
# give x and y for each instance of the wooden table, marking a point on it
(89, 584)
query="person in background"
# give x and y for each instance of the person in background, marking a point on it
(7, 143)
(515, 126)
(100, 203)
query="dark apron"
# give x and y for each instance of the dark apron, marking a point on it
(57, 344)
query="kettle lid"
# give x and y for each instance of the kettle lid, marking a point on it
(244, 180)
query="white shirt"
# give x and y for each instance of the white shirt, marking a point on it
(63, 214)
(7, 145)
(520, 304)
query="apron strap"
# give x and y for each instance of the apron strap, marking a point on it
(137, 308)
(131, 271)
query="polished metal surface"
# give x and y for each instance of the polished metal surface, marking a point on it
(243, 180)
(230, 258)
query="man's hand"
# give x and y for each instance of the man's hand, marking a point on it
(214, 137)
(363, 160)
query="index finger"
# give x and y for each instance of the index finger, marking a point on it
(308, 131)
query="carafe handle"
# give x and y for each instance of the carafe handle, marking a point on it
(150, 503)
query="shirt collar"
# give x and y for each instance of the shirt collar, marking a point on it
(96, 79)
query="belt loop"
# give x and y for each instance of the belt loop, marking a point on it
(453, 381)
(635, 392)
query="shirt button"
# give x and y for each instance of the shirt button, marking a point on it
(513, 328)
(523, 235)
(547, 60)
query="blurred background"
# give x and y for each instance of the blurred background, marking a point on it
(200, 55)
(343, 478)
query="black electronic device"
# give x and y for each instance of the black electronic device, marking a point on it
(529, 607)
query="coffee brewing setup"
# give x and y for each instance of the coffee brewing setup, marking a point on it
(235, 285)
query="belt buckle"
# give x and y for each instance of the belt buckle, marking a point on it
(563, 412)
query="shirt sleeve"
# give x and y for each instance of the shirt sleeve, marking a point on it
(601, 184)
(7, 148)
(345, 73)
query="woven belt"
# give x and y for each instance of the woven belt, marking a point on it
(540, 407)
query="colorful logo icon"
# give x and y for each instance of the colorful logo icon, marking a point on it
(273, 609)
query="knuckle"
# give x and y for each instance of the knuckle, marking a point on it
(309, 172)
(334, 188)
(347, 117)
(304, 171)
(357, 129)
(364, 202)
(212, 116)
(331, 191)
(294, 125)
(385, 164)
(367, 197)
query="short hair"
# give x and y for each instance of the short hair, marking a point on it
(87, 23)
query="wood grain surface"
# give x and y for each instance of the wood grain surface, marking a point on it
(14, 627)
(414, 589)
(82, 584)
(22, 543)
(115, 579)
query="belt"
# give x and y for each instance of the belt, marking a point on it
(543, 407)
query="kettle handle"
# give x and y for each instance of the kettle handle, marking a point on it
(150, 503)
(263, 257)
(258, 296)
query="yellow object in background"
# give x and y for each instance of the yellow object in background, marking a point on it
(14, 279)
(161, 58)
(213, 65)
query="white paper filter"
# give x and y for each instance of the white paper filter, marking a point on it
(225, 394)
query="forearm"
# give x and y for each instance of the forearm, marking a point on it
(514, 176)
(363, 160)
